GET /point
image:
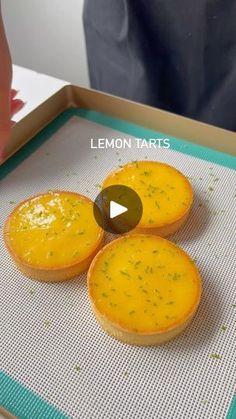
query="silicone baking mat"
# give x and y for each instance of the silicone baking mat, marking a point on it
(56, 361)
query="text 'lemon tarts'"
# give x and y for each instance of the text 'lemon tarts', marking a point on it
(166, 194)
(53, 236)
(144, 290)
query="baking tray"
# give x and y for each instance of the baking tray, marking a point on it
(56, 362)
(77, 97)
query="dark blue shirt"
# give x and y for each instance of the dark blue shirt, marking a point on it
(178, 55)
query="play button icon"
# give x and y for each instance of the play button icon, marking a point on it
(118, 209)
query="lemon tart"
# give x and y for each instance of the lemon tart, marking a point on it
(53, 236)
(166, 195)
(144, 290)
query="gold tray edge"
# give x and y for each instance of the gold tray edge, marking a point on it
(144, 115)
(6, 414)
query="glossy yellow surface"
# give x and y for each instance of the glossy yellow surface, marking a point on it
(55, 229)
(144, 283)
(165, 193)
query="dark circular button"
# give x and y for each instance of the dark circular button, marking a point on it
(118, 209)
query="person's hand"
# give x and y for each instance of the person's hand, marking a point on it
(15, 104)
(6, 122)
(9, 105)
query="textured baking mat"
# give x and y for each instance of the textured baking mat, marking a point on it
(56, 361)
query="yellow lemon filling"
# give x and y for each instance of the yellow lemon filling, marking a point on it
(166, 194)
(55, 229)
(144, 284)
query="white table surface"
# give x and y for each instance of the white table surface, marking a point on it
(34, 88)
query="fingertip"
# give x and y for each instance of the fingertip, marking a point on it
(16, 105)
(17, 102)
(13, 93)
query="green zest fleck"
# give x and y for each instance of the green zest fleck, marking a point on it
(104, 295)
(125, 273)
(215, 356)
(105, 267)
(47, 322)
(12, 202)
(148, 269)
(137, 263)
(211, 189)
(175, 276)
(77, 368)
(223, 328)
(147, 172)
(132, 312)
(234, 305)
(51, 253)
(136, 163)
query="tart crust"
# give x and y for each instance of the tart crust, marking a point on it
(166, 195)
(60, 268)
(146, 316)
